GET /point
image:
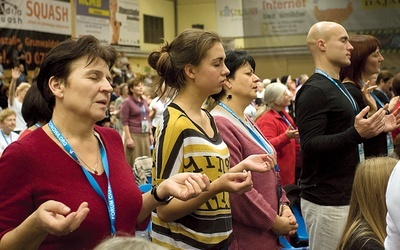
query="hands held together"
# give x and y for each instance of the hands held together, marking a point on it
(285, 223)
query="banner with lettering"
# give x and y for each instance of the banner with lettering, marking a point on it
(38, 24)
(294, 17)
(229, 18)
(112, 21)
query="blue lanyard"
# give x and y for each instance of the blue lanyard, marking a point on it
(383, 92)
(345, 91)
(263, 142)
(286, 120)
(110, 197)
(143, 112)
(5, 138)
(253, 131)
(38, 125)
(378, 102)
(142, 107)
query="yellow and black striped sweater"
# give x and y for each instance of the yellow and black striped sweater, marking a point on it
(183, 146)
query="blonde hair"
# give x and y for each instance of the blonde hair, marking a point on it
(6, 113)
(273, 94)
(367, 214)
(22, 87)
(127, 243)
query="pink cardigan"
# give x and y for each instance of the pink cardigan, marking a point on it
(253, 212)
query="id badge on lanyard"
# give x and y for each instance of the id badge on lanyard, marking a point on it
(389, 144)
(145, 122)
(145, 126)
(361, 152)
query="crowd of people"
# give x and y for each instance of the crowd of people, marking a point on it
(224, 143)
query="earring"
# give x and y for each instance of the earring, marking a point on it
(229, 97)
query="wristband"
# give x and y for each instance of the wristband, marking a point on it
(154, 193)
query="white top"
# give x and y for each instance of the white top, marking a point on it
(159, 108)
(250, 111)
(6, 140)
(392, 241)
(21, 124)
(261, 94)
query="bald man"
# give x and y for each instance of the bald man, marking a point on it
(332, 129)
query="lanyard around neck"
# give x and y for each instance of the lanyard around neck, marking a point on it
(143, 109)
(263, 142)
(5, 138)
(286, 119)
(378, 102)
(252, 130)
(343, 90)
(110, 197)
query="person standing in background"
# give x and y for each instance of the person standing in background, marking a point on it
(118, 105)
(331, 127)
(383, 92)
(300, 81)
(279, 128)
(117, 74)
(136, 123)
(130, 73)
(7, 125)
(157, 106)
(16, 97)
(19, 57)
(291, 86)
(22, 76)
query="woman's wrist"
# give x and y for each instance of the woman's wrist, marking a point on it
(160, 195)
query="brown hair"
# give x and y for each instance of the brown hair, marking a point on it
(384, 75)
(133, 83)
(363, 45)
(189, 47)
(60, 59)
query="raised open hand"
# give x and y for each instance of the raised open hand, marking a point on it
(55, 218)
